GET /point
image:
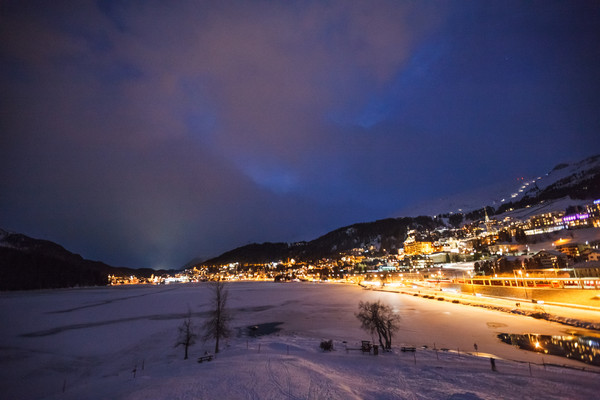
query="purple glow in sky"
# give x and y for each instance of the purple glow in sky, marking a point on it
(147, 133)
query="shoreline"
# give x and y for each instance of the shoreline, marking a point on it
(578, 316)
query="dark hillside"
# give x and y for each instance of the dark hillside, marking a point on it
(388, 234)
(27, 263)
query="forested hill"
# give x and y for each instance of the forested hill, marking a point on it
(386, 234)
(27, 263)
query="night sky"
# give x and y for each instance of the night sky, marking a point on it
(146, 133)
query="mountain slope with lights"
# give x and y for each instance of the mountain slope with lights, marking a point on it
(565, 182)
(566, 185)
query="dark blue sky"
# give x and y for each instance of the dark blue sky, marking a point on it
(147, 133)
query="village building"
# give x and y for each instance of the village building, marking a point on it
(551, 259)
(417, 244)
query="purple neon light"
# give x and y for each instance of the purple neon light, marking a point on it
(570, 218)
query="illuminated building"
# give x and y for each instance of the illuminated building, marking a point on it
(594, 212)
(506, 248)
(570, 249)
(593, 255)
(544, 223)
(415, 245)
(577, 220)
(551, 259)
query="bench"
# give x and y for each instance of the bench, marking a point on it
(407, 348)
(205, 358)
(366, 346)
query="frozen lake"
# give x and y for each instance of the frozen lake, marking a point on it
(77, 338)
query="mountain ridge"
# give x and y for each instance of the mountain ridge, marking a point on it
(565, 183)
(27, 263)
(509, 191)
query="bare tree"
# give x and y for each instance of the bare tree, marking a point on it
(380, 318)
(216, 325)
(186, 337)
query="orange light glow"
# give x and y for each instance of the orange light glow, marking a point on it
(561, 241)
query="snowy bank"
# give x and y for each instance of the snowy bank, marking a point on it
(87, 343)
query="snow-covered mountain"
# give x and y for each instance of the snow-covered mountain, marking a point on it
(565, 183)
(567, 176)
(493, 195)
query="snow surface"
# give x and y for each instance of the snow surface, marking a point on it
(545, 241)
(85, 343)
(542, 208)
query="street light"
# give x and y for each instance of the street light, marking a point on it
(523, 280)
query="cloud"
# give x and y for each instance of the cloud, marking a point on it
(149, 133)
(271, 74)
(141, 132)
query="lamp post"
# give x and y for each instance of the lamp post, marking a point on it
(523, 280)
(577, 278)
(472, 285)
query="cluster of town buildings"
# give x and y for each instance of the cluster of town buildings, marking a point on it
(565, 244)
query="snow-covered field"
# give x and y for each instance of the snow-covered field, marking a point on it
(85, 344)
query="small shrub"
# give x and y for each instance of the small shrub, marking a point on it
(326, 345)
(539, 315)
(455, 301)
(440, 299)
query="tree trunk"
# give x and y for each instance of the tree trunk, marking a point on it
(379, 335)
